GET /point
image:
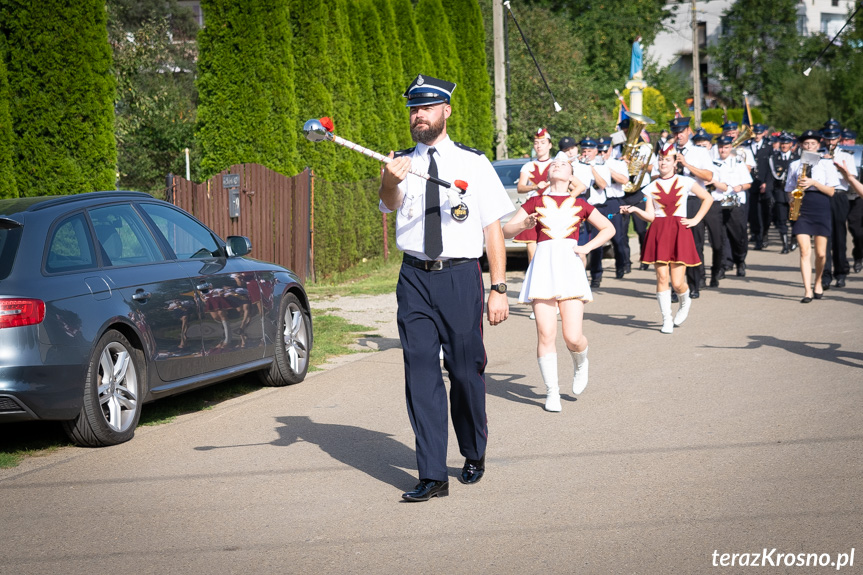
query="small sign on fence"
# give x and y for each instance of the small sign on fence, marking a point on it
(231, 182)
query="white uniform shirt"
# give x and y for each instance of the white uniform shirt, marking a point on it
(742, 150)
(840, 156)
(821, 172)
(583, 174)
(486, 199)
(614, 189)
(732, 172)
(596, 196)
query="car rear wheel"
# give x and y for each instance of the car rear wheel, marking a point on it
(113, 392)
(291, 361)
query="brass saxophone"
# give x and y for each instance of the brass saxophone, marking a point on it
(799, 192)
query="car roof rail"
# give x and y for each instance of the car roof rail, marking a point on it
(60, 200)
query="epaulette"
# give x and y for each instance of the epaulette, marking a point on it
(468, 148)
(401, 153)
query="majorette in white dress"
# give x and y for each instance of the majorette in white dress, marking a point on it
(556, 272)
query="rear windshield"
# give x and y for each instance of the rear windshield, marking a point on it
(508, 174)
(10, 236)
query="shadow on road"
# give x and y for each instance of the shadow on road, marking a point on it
(831, 352)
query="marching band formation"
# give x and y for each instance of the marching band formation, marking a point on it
(689, 187)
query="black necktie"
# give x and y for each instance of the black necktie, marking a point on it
(433, 241)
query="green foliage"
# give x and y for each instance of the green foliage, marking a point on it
(59, 71)
(717, 115)
(8, 188)
(247, 108)
(415, 55)
(802, 103)
(758, 49)
(654, 106)
(467, 27)
(440, 42)
(156, 98)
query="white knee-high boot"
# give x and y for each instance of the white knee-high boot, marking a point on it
(683, 310)
(579, 362)
(664, 299)
(548, 369)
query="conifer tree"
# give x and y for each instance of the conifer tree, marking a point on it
(440, 43)
(391, 44)
(469, 34)
(247, 110)
(415, 56)
(59, 70)
(8, 189)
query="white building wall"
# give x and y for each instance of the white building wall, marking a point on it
(673, 46)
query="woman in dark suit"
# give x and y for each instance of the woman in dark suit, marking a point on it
(814, 220)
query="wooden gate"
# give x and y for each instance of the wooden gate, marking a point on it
(273, 210)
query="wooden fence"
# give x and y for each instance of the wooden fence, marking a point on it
(273, 210)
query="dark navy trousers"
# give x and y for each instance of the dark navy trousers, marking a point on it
(443, 308)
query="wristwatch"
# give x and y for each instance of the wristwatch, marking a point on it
(499, 288)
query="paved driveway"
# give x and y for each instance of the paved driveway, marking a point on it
(740, 433)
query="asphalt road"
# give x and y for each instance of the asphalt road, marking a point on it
(742, 432)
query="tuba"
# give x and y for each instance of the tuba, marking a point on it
(638, 155)
(744, 135)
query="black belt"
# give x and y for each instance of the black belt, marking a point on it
(435, 265)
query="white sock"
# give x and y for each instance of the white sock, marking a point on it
(683, 310)
(548, 370)
(664, 299)
(580, 363)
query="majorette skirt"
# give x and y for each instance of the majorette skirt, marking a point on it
(555, 272)
(669, 242)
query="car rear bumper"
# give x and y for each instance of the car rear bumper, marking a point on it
(41, 392)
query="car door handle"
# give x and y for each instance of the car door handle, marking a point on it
(141, 295)
(206, 286)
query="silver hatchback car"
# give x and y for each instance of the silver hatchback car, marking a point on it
(109, 300)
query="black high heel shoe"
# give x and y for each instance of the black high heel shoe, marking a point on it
(818, 295)
(807, 299)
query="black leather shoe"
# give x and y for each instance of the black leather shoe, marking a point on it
(426, 489)
(720, 275)
(840, 282)
(644, 267)
(825, 284)
(807, 299)
(472, 471)
(594, 284)
(714, 283)
(818, 295)
(741, 270)
(858, 266)
(694, 294)
(619, 274)
(627, 269)
(674, 297)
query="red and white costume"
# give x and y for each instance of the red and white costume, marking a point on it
(556, 272)
(668, 240)
(537, 171)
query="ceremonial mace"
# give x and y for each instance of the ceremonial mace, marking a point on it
(318, 130)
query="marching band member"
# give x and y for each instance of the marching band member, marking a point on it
(633, 198)
(855, 211)
(731, 182)
(695, 162)
(779, 163)
(618, 172)
(533, 180)
(669, 245)
(759, 201)
(840, 205)
(600, 176)
(555, 278)
(814, 220)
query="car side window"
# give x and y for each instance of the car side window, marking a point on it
(187, 238)
(123, 236)
(71, 247)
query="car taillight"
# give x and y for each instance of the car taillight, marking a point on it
(18, 312)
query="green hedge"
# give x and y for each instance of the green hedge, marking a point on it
(8, 188)
(59, 70)
(716, 115)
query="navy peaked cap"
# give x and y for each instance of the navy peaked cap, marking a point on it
(425, 90)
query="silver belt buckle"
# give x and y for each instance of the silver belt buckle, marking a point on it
(434, 266)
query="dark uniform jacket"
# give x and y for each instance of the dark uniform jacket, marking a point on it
(762, 167)
(777, 171)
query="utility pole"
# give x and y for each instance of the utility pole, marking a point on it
(696, 69)
(498, 16)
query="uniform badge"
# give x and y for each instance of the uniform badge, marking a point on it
(420, 80)
(460, 212)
